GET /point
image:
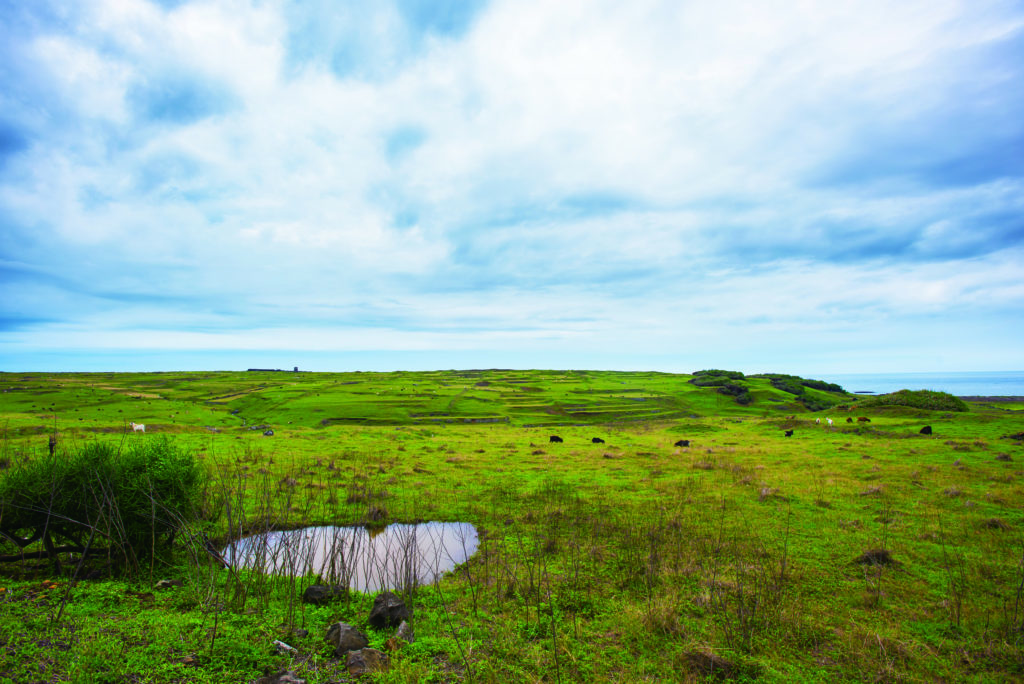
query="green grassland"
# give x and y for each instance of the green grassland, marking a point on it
(629, 560)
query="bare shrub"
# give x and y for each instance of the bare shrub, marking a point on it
(877, 557)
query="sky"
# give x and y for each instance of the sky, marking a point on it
(801, 187)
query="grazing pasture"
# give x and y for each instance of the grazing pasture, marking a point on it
(866, 551)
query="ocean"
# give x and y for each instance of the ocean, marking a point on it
(975, 384)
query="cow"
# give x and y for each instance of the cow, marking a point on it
(597, 440)
(789, 433)
(849, 420)
(817, 421)
(829, 421)
(682, 443)
(554, 438)
(926, 430)
(138, 427)
(862, 419)
(268, 433)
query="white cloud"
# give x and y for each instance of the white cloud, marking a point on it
(589, 173)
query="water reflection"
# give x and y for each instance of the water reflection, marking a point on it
(395, 557)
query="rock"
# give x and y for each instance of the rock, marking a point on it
(403, 637)
(321, 594)
(167, 584)
(405, 632)
(345, 638)
(282, 647)
(388, 611)
(367, 660)
(280, 678)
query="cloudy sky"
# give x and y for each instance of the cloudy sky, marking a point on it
(807, 187)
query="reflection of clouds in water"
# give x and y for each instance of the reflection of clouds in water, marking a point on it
(394, 557)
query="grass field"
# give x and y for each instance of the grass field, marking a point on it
(864, 551)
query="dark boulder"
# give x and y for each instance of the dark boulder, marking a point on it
(388, 611)
(322, 594)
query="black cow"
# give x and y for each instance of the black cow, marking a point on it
(554, 438)
(597, 440)
(789, 433)
(926, 430)
(849, 420)
(682, 443)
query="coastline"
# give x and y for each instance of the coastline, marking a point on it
(1004, 399)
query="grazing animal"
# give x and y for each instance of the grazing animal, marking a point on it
(138, 427)
(862, 419)
(790, 417)
(926, 430)
(682, 443)
(849, 420)
(597, 440)
(817, 421)
(829, 421)
(268, 433)
(789, 433)
(554, 438)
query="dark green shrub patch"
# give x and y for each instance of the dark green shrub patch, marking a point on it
(129, 499)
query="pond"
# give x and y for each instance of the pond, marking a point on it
(395, 557)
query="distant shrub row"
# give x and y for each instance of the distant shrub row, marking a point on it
(714, 377)
(794, 384)
(921, 399)
(729, 383)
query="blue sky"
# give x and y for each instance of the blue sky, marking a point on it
(831, 187)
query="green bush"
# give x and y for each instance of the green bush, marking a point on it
(787, 384)
(823, 386)
(738, 392)
(921, 399)
(131, 498)
(715, 372)
(794, 384)
(816, 403)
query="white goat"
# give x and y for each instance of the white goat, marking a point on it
(138, 427)
(829, 421)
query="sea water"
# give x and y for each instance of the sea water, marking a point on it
(966, 384)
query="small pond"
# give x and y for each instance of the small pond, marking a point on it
(394, 557)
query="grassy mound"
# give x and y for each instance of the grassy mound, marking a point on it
(919, 399)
